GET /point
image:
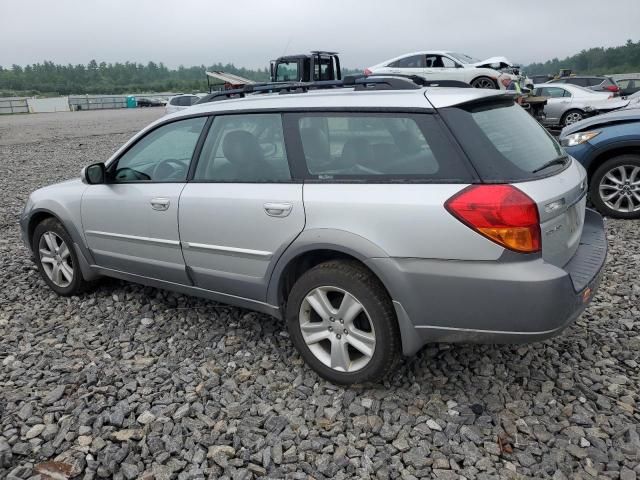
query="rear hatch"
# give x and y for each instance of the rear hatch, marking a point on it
(506, 145)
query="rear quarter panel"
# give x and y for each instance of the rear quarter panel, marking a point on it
(402, 220)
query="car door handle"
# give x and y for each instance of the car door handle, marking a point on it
(160, 203)
(278, 209)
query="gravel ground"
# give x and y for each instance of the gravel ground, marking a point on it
(131, 382)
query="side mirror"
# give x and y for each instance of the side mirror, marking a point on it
(93, 174)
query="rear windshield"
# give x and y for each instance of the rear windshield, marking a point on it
(504, 142)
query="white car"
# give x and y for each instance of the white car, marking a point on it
(180, 102)
(567, 104)
(444, 65)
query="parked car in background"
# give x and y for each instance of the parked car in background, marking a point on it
(628, 86)
(493, 73)
(465, 222)
(608, 146)
(597, 83)
(180, 102)
(540, 78)
(567, 104)
(149, 102)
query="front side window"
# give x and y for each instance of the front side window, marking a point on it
(244, 149)
(375, 146)
(163, 155)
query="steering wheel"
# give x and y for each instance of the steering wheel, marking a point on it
(169, 169)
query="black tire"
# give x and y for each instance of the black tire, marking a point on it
(565, 116)
(598, 175)
(480, 81)
(78, 284)
(351, 277)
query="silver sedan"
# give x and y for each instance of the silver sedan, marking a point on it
(567, 104)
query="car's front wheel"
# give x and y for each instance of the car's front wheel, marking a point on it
(484, 82)
(342, 322)
(615, 187)
(56, 259)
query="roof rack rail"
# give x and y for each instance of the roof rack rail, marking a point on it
(357, 82)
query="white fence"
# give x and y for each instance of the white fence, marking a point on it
(48, 105)
(97, 102)
(73, 102)
(13, 105)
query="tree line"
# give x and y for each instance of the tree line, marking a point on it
(112, 78)
(622, 59)
(48, 78)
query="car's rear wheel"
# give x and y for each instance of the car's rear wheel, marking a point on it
(571, 117)
(615, 187)
(484, 82)
(342, 322)
(56, 259)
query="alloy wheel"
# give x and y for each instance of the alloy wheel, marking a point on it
(619, 188)
(55, 258)
(483, 83)
(337, 329)
(572, 118)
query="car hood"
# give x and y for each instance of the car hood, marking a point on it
(622, 115)
(502, 61)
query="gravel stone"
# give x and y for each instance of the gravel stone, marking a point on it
(127, 381)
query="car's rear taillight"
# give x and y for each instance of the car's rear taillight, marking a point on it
(367, 72)
(502, 213)
(612, 88)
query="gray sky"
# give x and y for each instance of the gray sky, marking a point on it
(251, 32)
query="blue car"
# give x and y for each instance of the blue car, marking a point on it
(608, 146)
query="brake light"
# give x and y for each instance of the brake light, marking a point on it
(502, 213)
(612, 88)
(367, 72)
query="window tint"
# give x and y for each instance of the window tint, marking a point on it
(323, 69)
(438, 61)
(287, 71)
(244, 148)
(175, 101)
(504, 142)
(163, 155)
(623, 83)
(594, 81)
(414, 61)
(366, 146)
(583, 82)
(554, 92)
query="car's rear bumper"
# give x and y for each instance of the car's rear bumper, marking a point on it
(512, 301)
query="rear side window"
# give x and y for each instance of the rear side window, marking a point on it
(414, 61)
(374, 147)
(582, 82)
(504, 143)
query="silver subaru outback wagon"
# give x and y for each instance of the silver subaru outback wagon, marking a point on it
(372, 218)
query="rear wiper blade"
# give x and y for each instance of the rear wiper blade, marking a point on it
(556, 161)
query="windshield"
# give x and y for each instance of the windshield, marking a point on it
(287, 72)
(504, 142)
(461, 57)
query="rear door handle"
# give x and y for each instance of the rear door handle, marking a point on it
(278, 209)
(160, 203)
